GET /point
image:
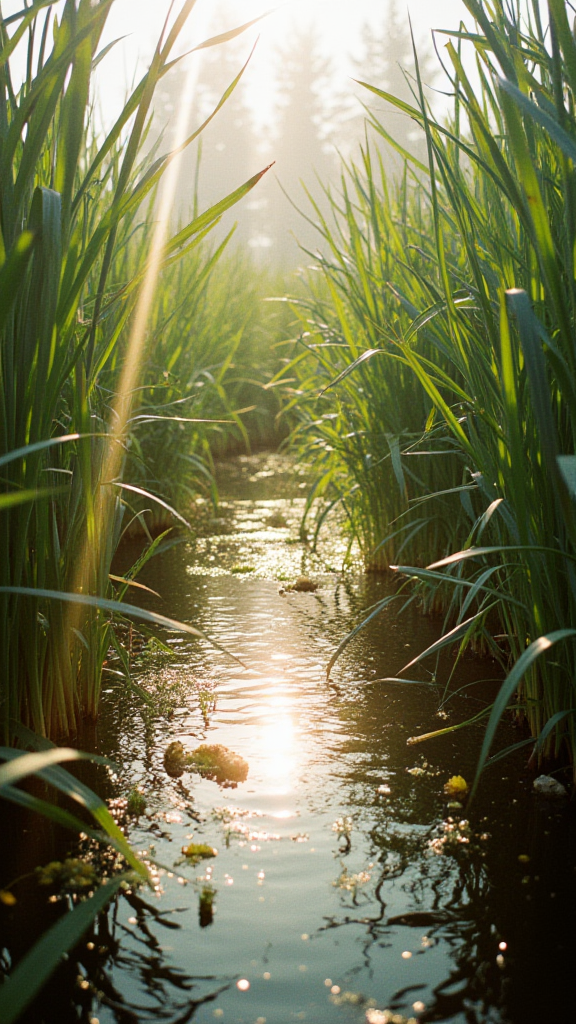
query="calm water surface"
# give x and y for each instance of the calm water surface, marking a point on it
(341, 893)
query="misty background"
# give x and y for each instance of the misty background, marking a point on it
(303, 116)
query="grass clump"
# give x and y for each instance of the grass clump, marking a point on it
(443, 332)
(137, 803)
(80, 236)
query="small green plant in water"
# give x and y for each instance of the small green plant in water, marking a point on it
(213, 761)
(70, 875)
(303, 585)
(196, 852)
(136, 803)
(206, 906)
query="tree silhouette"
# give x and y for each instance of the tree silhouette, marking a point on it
(387, 61)
(301, 147)
(226, 154)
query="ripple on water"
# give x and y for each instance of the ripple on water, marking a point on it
(326, 901)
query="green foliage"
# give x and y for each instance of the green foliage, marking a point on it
(480, 316)
(76, 222)
(205, 390)
(365, 420)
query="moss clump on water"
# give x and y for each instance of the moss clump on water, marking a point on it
(456, 787)
(174, 759)
(211, 760)
(195, 852)
(303, 585)
(277, 521)
(71, 875)
(206, 906)
(214, 761)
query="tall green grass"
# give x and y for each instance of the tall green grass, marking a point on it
(367, 425)
(481, 312)
(206, 385)
(76, 216)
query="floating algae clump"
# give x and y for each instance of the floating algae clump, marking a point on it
(456, 787)
(71, 874)
(217, 762)
(212, 761)
(303, 585)
(206, 906)
(136, 804)
(174, 759)
(198, 851)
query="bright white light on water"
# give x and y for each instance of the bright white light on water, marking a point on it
(275, 743)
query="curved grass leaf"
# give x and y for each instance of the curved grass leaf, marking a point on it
(353, 366)
(47, 769)
(119, 608)
(38, 446)
(449, 638)
(376, 610)
(554, 129)
(33, 971)
(21, 765)
(550, 726)
(447, 728)
(14, 498)
(461, 556)
(149, 497)
(509, 686)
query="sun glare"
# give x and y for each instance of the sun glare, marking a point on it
(276, 743)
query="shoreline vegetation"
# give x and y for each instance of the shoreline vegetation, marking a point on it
(439, 332)
(424, 371)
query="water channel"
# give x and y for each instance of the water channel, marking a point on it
(344, 890)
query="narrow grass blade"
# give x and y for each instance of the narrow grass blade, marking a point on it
(33, 971)
(509, 686)
(22, 765)
(119, 608)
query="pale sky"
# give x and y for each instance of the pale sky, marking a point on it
(338, 23)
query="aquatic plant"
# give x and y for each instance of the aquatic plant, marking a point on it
(206, 906)
(174, 759)
(456, 787)
(136, 803)
(480, 311)
(72, 875)
(211, 760)
(195, 852)
(303, 585)
(214, 761)
(204, 391)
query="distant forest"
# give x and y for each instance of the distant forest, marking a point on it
(314, 121)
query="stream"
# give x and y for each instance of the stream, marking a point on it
(344, 889)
